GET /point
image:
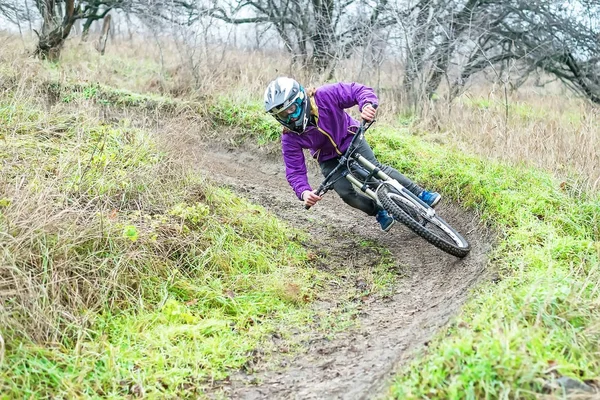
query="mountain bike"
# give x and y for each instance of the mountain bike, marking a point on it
(398, 201)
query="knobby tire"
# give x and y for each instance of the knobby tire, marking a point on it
(409, 217)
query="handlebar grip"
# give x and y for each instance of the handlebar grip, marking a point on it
(368, 123)
(320, 192)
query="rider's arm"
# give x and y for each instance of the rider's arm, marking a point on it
(295, 166)
(351, 94)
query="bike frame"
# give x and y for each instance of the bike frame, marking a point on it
(360, 171)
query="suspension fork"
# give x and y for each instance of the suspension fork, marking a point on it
(373, 171)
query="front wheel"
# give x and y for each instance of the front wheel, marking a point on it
(432, 228)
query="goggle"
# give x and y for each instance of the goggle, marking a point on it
(291, 113)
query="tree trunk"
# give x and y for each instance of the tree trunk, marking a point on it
(459, 22)
(101, 45)
(416, 55)
(439, 69)
(28, 16)
(571, 63)
(322, 53)
(54, 30)
(88, 23)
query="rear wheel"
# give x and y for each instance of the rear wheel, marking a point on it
(432, 228)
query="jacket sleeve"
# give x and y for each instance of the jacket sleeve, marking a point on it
(351, 94)
(295, 166)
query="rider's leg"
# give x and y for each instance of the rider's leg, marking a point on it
(346, 191)
(366, 152)
(430, 198)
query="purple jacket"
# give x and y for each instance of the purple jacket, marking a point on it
(333, 133)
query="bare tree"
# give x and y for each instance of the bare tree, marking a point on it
(59, 16)
(315, 32)
(440, 40)
(456, 39)
(564, 42)
(13, 11)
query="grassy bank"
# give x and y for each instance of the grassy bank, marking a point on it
(123, 272)
(539, 320)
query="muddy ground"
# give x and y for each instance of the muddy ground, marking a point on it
(360, 362)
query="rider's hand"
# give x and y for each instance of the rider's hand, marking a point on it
(310, 198)
(368, 112)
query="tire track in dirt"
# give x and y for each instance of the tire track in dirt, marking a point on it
(358, 363)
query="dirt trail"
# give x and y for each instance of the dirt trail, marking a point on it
(356, 364)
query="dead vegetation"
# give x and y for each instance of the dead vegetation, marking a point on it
(544, 126)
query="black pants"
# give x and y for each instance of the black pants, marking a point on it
(346, 191)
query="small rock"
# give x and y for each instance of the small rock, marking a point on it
(568, 385)
(137, 390)
(361, 284)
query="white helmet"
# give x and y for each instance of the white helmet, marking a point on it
(287, 101)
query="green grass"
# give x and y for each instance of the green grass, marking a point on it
(541, 318)
(250, 117)
(130, 272)
(109, 96)
(222, 111)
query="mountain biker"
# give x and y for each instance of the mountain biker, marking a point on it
(316, 120)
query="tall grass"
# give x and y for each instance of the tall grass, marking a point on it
(124, 273)
(556, 132)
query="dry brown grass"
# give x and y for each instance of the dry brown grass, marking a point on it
(556, 132)
(65, 197)
(553, 130)
(108, 239)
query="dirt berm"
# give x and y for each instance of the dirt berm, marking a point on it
(357, 363)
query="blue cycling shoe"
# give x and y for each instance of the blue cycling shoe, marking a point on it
(385, 220)
(431, 198)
